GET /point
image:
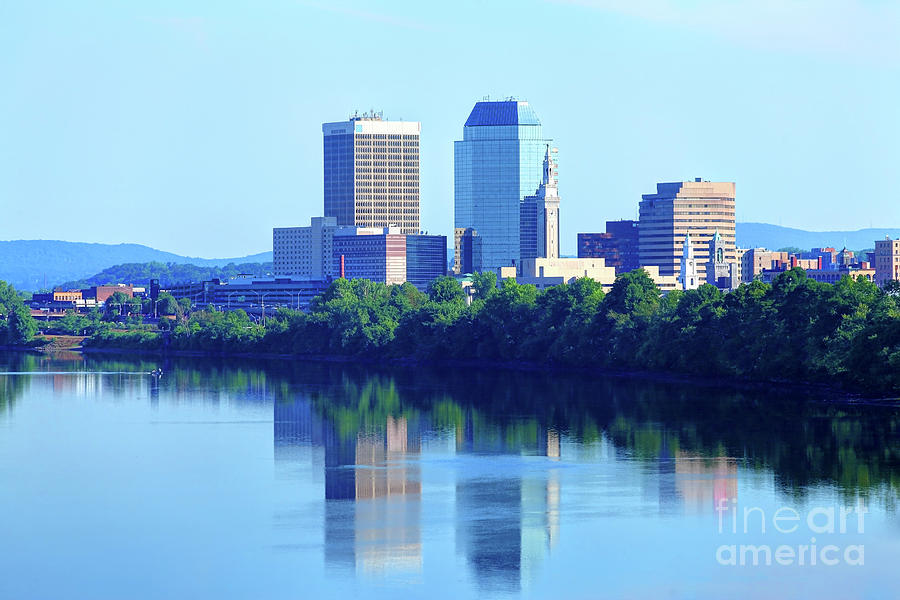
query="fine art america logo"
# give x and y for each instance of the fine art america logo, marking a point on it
(823, 525)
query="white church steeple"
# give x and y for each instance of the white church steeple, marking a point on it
(688, 277)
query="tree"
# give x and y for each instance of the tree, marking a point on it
(892, 288)
(633, 293)
(166, 305)
(116, 305)
(485, 284)
(446, 289)
(20, 326)
(16, 322)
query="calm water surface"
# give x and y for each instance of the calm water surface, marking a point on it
(279, 480)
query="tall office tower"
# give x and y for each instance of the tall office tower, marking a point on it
(539, 216)
(372, 172)
(304, 252)
(887, 260)
(499, 162)
(696, 207)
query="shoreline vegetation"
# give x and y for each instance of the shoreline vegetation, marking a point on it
(795, 331)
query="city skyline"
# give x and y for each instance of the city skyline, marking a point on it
(203, 129)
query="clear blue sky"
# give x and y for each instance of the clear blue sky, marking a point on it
(195, 127)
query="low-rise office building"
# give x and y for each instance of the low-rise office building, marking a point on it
(251, 294)
(618, 247)
(81, 299)
(665, 283)
(569, 269)
(426, 259)
(101, 293)
(547, 272)
(831, 276)
(304, 252)
(323, 251)
(827, 255)
(374, 253)
(67, 296)
(887, 261)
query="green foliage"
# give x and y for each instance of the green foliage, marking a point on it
(485, 285)
(794, 329)
(17, 327)
(119, 306)
(446, 289)
(132, 340)
(167, 305)
(20, 326)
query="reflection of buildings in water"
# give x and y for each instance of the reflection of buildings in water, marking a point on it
(154, 391)
(696, 483)
(507, 525)
(388, 493)
(479, 436)
(380, 528)
(704, 482)
(553, 443)
(78, 384)
(296, 423)
(489, 529)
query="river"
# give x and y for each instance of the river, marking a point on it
(246, 479)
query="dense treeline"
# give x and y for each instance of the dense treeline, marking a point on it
(168, 273)
(796, 329)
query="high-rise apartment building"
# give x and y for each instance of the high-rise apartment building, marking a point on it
(499, 162)
(372, 172)
(539, 216)
(304, 252)
(887, 260)
(676, 209)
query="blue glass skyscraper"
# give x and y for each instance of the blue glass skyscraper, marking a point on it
(499, 162)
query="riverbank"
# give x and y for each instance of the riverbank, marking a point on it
(48, 343)
(830, 392)
(794, 332)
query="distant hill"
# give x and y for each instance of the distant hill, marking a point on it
(763, 235)
(28, 264)
(168, 274)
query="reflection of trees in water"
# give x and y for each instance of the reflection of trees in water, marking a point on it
(803, 441)
(12, 387)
